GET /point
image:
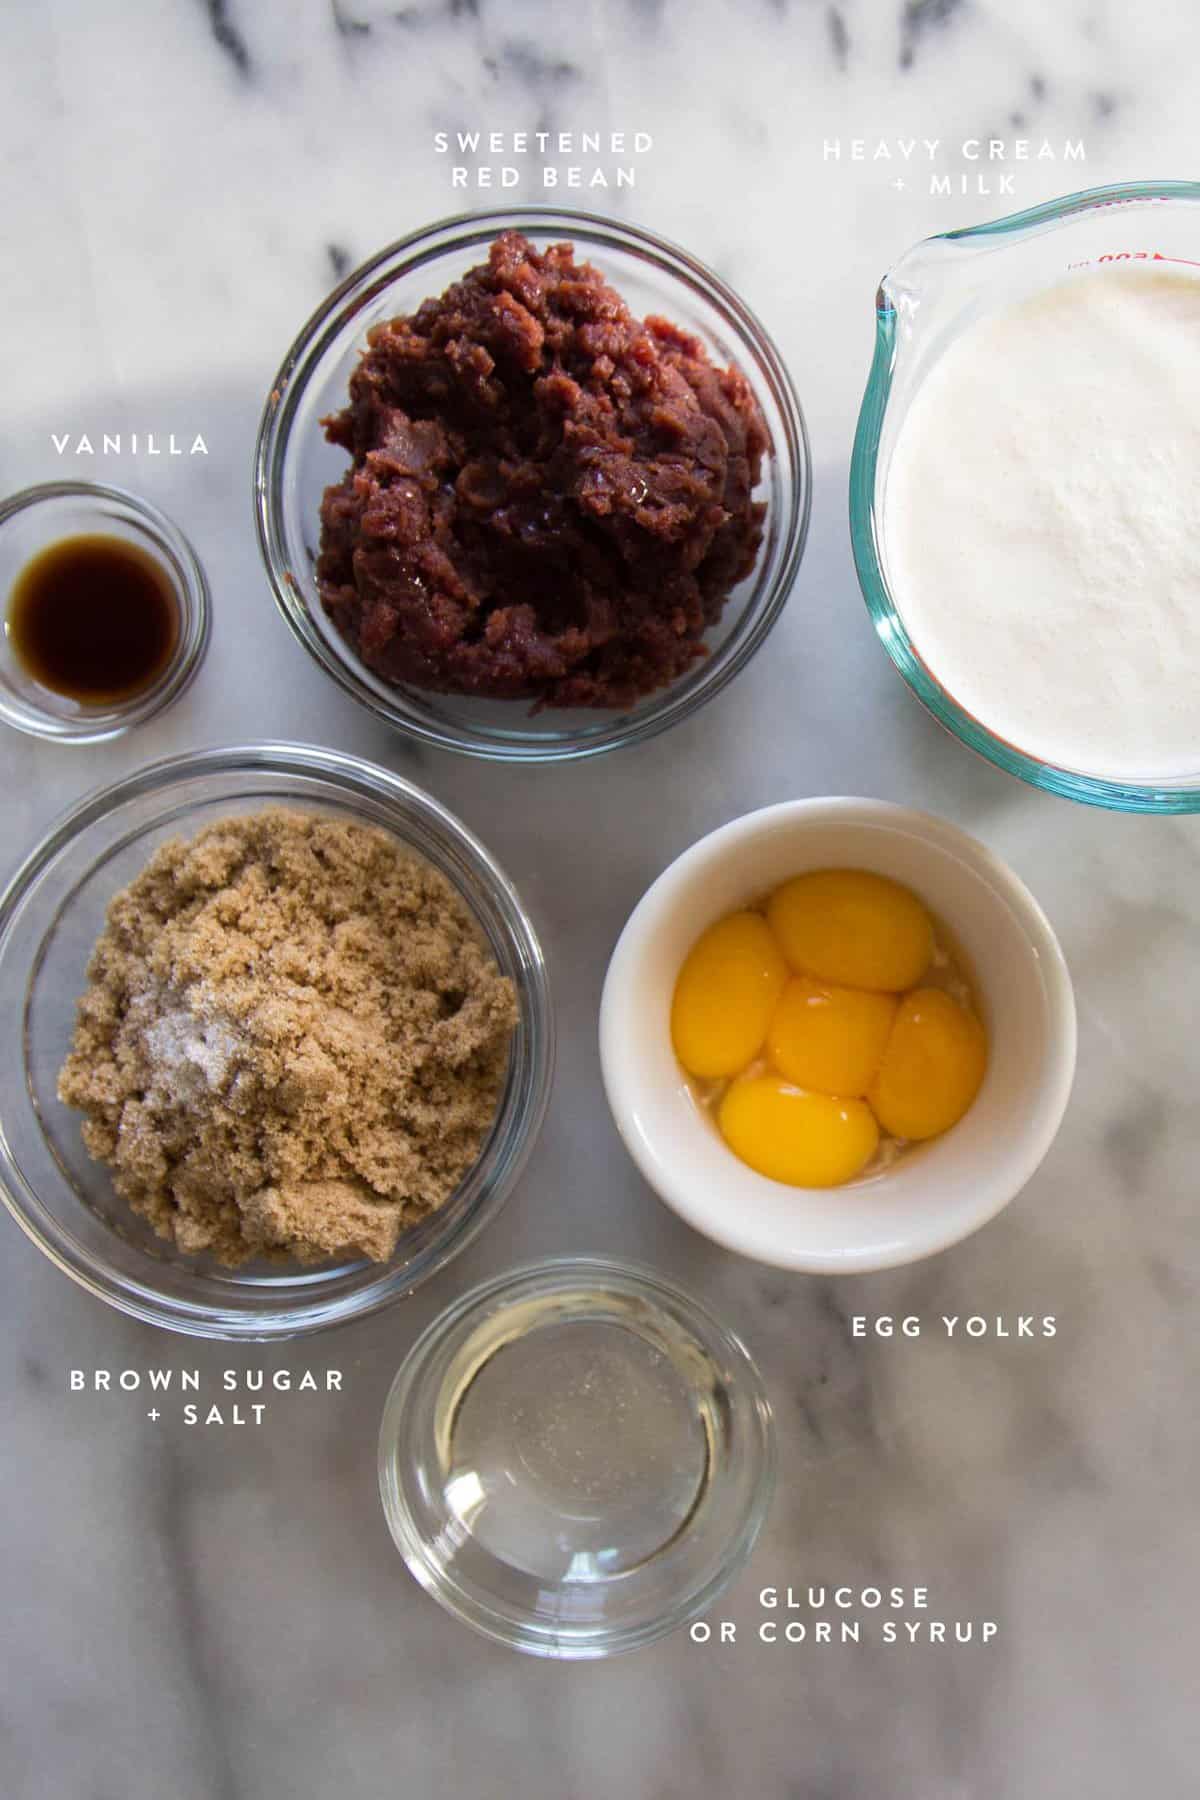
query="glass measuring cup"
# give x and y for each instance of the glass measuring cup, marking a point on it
(934, 293)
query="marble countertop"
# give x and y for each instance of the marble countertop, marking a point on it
(219, 1614)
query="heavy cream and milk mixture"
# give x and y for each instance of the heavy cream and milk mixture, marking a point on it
(1041, 522)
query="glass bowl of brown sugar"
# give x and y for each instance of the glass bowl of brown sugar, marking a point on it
(51, 916)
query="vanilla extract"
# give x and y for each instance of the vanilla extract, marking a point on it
(94, 618)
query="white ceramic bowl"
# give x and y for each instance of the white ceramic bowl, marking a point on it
(942, 1191)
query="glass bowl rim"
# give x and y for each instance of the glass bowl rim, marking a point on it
(425, 246)
(303, 1314)
(516, 1630)
(1092, 790)
(195, 622)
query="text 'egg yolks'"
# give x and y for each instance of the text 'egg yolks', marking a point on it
(725, 995)
(932, 1067)
(829, 1038)
(804, 1139)
(854, 928)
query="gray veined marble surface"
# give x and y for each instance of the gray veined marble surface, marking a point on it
(220, 1615)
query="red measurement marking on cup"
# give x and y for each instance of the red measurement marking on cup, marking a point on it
(1126, 200)
(1119, 256)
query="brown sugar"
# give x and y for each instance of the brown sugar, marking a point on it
(293, 1041)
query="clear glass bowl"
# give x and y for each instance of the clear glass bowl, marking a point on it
(294, 465)
(50, 916)
(936, 291)
(33, 520)
(576, 1458)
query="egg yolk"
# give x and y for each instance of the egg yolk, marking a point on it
(787, 1134)
(932, 1067)
(854, 928)
(829, 1038)
(725, 995)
